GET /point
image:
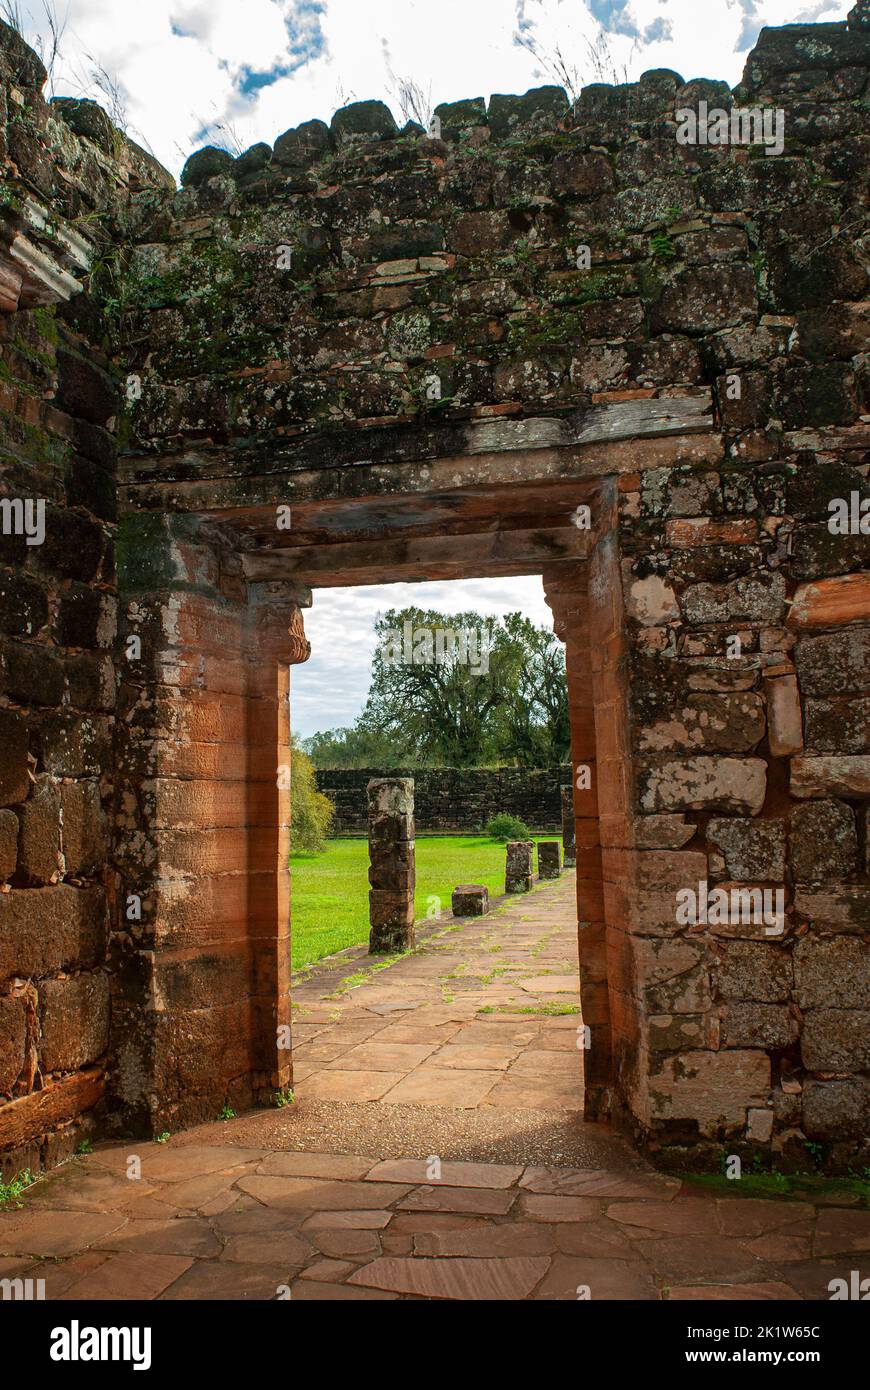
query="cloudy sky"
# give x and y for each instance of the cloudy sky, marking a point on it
(182, 73)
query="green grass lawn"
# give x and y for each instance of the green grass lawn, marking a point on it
(331, 890)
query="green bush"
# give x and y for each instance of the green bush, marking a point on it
(508, 828)
(311, 811)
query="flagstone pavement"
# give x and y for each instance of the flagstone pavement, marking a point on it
(436, 1149)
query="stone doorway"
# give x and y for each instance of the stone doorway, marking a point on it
(220, 602)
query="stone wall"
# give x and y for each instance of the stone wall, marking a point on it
(432, 304)
(61, 198)
(372, 328)
(447, 798)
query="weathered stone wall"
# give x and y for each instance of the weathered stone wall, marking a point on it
(362, 314)
(448, 798)
(429, 305)
(60, 201)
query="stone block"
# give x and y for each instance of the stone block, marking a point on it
(784, 722)
(13, 1033)
(721, 723)
(14, 780)
(549, 865)
(836, 1040)
(49, 929)
(704, 784)
(824, 841)
(470, 900)
(569, 848)
(841, 909)
(662, 832)
(831, 602)
(749, 970)
(754, 850)
(751, 1024)
(832, 973)
(518, 866)
(831, 776)
(84, 832)
(750, 599)
(713, 1089)
(39, 843)
(74, 1019)
(836, 1109)
(838, 726)
(8, 843)
(836, 663)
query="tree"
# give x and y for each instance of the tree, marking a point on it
(533, 725)
(356, 747)
(310, 811)
(437, 681)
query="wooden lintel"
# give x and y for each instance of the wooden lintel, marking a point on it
(493, 553)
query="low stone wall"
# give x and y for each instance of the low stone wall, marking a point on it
(449, 798)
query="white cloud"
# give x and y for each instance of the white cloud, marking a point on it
(330, 690)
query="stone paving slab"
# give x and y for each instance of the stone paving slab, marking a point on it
(334, 1226)
(336, 1197)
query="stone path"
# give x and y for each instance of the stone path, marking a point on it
(483, 1013)
(382, 1181)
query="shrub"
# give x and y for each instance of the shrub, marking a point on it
(311, 812)
(508, 828)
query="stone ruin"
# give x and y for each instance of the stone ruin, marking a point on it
(554, 341)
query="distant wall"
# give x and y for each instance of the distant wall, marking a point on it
(449, 798)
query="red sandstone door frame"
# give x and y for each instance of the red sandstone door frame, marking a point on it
(585, 598)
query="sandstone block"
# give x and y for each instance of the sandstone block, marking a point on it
(49, 929)
(832, 973)
(751, 599)
(8, 843)
(518, 866)
(74, 1019)
(831, 775)
(704, 784)
(12, 1038)
(470, 900)
(824, 841)
(549, 865)
(836, 663)
(836, 1109)
(836, 1040)
(754, 850)
(831, 602)
(753, 971)
(569, 848)
(39, 844)
(715, 1089)
(784, 722)
(749, 1024)
(843, 909)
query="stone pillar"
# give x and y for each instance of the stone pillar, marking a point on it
(518, 866)
(566, 592)
(201, 1013)
(391, 864)
(569, 852)
(549, 865)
